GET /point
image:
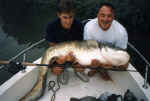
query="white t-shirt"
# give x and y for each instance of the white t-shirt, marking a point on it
(116, 34)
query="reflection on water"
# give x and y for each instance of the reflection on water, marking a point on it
(22, 23)
(10, 46)
(19, 31)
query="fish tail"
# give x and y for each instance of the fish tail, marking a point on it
(43, 88)
(38, 89)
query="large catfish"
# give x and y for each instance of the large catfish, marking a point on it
(84, 53)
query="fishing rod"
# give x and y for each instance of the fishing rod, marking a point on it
(69, 65)
(23, 51)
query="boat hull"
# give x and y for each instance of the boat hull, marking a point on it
(21, 83)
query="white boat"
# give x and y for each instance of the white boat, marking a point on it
(22, 82)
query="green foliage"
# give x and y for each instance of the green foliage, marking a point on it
(126, 11)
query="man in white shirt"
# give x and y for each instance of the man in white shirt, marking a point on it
(105, 29)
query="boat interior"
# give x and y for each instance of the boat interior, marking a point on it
(23, 81)
(121, 81)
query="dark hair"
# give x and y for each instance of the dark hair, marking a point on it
(107, 4)
(65, 6)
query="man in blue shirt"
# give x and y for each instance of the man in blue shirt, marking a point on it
(65, 27)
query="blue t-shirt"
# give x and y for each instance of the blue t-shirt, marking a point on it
(56, 33)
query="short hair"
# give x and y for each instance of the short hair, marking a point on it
(106, 4)
(65, 6)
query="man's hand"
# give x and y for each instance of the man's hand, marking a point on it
(57, 70)
(52, 43)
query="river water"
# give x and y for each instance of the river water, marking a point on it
(22, 23)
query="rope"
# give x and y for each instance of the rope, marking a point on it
(51, 86)
(82, 76)
(63, 78)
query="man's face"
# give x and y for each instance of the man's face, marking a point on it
(66, 19)
(105, 17)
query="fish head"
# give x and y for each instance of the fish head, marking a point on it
(114, 55)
